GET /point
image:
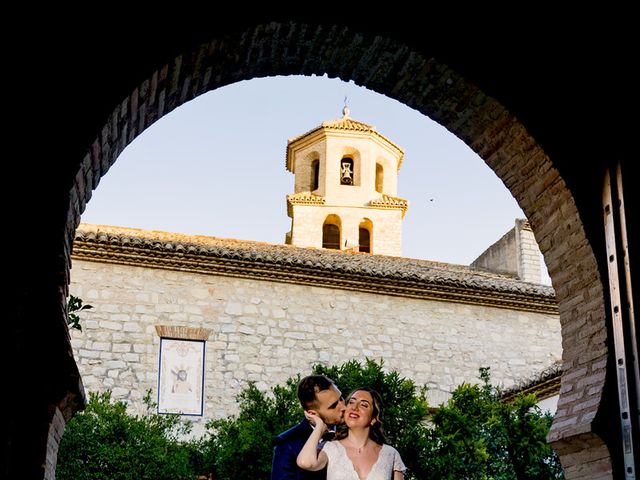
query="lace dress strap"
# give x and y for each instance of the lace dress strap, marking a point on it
(340, 466)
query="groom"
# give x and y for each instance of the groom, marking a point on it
(317, 394)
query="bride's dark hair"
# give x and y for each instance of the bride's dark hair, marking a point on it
(376, 431)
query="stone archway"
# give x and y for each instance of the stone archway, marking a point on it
(398, 71)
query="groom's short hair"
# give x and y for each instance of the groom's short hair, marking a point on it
(310, 386)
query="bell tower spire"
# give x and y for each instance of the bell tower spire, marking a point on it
(345, 186)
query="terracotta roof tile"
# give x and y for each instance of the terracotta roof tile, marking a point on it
(387, 201)
(380, 266)
(303, 198)
(345, 124)
(544, 384)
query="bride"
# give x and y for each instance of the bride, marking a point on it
(358, 452)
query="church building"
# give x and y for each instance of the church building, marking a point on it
(195, 318)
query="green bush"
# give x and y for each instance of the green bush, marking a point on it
(241, 447)
(473, 436)
(476, 436)
(104, 442)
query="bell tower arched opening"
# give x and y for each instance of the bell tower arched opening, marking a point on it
(365, 233)
(331, 233)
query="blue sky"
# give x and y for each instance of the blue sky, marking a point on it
(215, 166)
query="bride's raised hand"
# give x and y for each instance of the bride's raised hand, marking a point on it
(315, 420)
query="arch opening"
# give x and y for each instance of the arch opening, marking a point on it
(365, 230)
(379, 178)
(332, 233)
(472, 122)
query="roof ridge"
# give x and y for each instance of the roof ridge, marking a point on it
(116, 230)
(348, 124)
(535, 381)
(345, 123)
(383, 266)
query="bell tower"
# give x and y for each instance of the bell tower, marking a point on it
(346, 179)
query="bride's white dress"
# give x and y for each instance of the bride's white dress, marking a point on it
(340, 466)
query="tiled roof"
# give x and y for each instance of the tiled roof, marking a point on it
(344, 123)
(544, 384)
(303, 198)
(393, 275)
(387, 201)
(306, 197)
(348, 125)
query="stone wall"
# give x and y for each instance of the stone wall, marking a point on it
(528, 253)
(266, 331)
(501, 256)
(516, 253)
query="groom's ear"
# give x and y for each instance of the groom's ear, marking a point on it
(312, 411)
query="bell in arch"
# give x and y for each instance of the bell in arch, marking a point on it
(346, 171)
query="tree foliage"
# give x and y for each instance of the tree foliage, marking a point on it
(241, 446)
(473, 436)
(477, 436)
(104, 442)
(75, 305)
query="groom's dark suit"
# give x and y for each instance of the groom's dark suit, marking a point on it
(287, 447)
